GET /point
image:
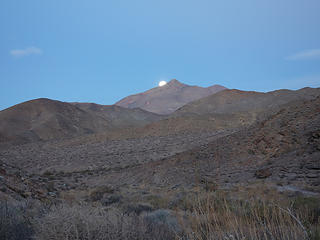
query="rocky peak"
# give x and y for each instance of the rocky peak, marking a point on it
(175, 83)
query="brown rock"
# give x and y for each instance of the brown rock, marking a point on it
(263, 173)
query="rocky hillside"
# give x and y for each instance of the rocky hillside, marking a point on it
(228, 109)
(120, 116)
(283, 149)
(168, 98)
(235, 101)
(45, 119)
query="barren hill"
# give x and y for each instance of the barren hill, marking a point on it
(45, 119)
(168, 98)
(283, 149)
(280, 150)
(233, 100)
(228, 109)
(120, 116)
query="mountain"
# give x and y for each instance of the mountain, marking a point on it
(119, 116)
(227, 140)
(284, 149)
(233, 100)
(228, 109)
(45, 119)
(168, 98)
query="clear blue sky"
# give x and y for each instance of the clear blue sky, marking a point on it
(103, 50)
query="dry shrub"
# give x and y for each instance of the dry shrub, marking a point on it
(97, 193)
(14, 222)
(215, 218)
(88, 223)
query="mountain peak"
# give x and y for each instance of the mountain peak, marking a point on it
(168, 98)
(175, 82)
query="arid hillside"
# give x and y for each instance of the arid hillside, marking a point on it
(120, 116)
(228, 109)
(45, 119)
(229, 138)
(235, 144)
(236, 101)
(283, 149)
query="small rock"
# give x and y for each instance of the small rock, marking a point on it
(263, 173)
(52, 194)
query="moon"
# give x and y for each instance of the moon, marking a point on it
(162, 83)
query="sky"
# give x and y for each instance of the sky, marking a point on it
(101, 51)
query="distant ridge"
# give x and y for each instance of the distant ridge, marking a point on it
(233, 100)
(118, 116)
(168, 98)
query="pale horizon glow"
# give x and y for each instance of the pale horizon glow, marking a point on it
(162, 83)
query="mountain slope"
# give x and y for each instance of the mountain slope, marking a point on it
(120, 116)
(283, 149)
(168, 98)
(231, 101)
(228, 109)
(44, 119)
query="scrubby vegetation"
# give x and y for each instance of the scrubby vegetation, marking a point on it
(14, 222)
(84, 222)
(215, 218)
(209, 216)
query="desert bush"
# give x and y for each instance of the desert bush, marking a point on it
(162, 218)
(88, 223)
(97, 193)
(215, 219)
(137, 208)
(14, 222)
(157, 201)
(311, 205)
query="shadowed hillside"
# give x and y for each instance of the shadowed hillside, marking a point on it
(233, 101)
(120, 116)
(44, 119)
(284, 149)
(228, 109)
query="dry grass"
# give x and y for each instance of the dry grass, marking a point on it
(88, 223)
(14, 222)
(217, 218)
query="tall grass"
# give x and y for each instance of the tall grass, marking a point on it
(14, 222)
(94, 223)
(215, 218)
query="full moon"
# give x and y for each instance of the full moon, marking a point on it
(162, 83)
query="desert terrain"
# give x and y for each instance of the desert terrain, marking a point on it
(142, 158)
